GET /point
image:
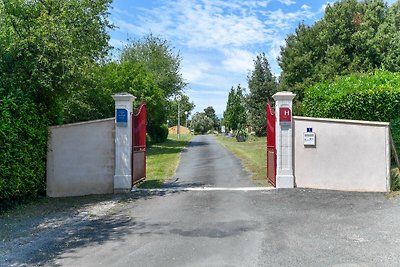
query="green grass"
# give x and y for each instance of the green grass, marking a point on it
(163, 159)
(252, 154)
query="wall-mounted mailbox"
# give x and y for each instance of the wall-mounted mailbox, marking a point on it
(122, 117)
(309, 139)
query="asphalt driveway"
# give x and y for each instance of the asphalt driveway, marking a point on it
(227, 227)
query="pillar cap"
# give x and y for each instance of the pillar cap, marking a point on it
(123, 97)
(283, 96)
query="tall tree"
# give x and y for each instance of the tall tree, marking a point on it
(159, 59)
(210, 112)
(46, 46)
(201, 123)
(389, 39)
(353, 36)
(262, 85)
(235, 113)
(184, 105)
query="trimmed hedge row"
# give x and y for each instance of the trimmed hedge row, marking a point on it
(23, 148)
(372, 97)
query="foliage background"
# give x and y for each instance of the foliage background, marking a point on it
(262, 86)
(371, 97)
(23, 148)
(352, 37)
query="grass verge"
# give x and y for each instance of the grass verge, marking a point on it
(253, 155)
(163, 159)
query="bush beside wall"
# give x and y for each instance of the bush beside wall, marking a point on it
(23, 148)
(157, 134)
(371, 97)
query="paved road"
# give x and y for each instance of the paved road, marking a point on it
(231, 228)
(207, 163)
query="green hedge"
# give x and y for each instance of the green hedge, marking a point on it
(157, 134)
(372, 97)
(23, 147)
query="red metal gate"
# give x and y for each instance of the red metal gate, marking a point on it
(139, 145)
(271, 145)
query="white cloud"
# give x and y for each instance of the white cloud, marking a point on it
(238, 60)
(203, 23)
(218, 39)
(206, 92)
(284, 20)
(193, 73)
(324, 6)
(287, 2)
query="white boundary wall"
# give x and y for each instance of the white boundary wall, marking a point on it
(81, 159)
(348, 156)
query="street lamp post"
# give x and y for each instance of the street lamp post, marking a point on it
(178, 98)
(186, 115)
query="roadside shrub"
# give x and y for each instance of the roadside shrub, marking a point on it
(157, 133)
(23, 148)
(395, 130)
(241, 135)
(395, 180)
(374, 97)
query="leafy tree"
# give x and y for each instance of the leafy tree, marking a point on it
(201, 123)
(161, 62)
(172, 110)
(228, 113)
(210, 112)
(389, 39)
(159, 59)
(235, 113)
(262, 85)
(23, 147)
(46, 46)
(353, 36)
(95, 102)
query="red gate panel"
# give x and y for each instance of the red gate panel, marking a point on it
(139, 145)
(271, 145)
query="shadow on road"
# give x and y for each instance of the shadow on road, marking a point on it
(197, 143)
(40, 232)
(178, 185)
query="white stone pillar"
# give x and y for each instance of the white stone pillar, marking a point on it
(284, 139)
(123, 142)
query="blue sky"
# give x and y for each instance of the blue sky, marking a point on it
(217, 39)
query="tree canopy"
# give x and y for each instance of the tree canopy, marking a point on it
(159, 59)
(47, 50)
(353, 36)
(210, 112)
(201, 123)
(45, 46)
(262, 85)
(235, 112)
(184, 104)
